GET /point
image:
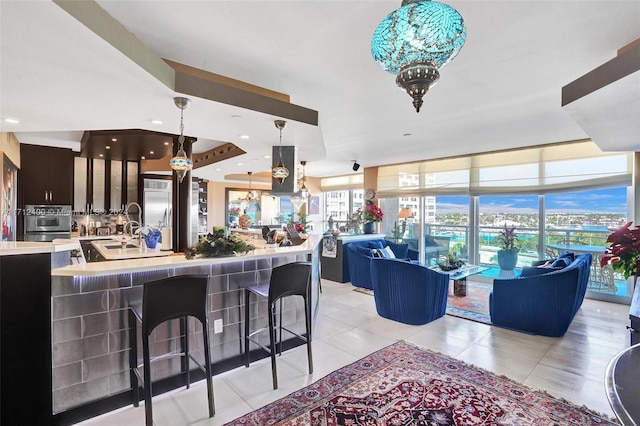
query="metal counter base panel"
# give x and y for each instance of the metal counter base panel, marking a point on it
(89, 325)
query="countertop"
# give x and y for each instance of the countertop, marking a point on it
(621, 384)
(177, 260)
(9, 248)
(104, 247)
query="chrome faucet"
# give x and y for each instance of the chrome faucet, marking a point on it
(131, 222)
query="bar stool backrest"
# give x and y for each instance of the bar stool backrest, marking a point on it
(174, 297)
(290, 279)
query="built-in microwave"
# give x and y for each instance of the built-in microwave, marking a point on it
(46, 223)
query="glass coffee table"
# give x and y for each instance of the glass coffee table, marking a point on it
(460, 275)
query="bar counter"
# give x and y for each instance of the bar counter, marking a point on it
(88, 323)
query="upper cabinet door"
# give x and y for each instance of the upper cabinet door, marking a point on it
(46, 175)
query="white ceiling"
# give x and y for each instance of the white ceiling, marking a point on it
(503, 90)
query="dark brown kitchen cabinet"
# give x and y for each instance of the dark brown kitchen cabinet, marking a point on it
(46, 175)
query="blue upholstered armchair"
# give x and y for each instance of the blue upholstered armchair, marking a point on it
(407, 292)
(541, 302)
(358, 255)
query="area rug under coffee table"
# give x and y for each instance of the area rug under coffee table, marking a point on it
(474, 306)
(405, 385)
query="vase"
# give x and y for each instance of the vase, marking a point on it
(151, 239)
(507, 259)
(369, 227)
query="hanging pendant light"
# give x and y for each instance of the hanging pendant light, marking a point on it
(415, 41)
(304, 192)
(280, 172)
(181, 163)
(250, 195)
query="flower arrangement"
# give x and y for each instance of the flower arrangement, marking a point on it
(451, 262)
(507, 239)
(302, 224)
(372, 213)
(217, 244)
(234, 212)
(624, 252)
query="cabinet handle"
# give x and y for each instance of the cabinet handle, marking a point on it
(45, 196)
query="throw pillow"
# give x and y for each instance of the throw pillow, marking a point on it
(377, 253)
(567, 255)
(362, 250)
(388, 253)
(561, 262)
(532, 271)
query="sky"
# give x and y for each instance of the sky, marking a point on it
(606, 201)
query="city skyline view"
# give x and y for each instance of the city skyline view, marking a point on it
(598, 201)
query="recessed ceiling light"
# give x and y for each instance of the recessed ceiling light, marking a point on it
(157, 122)
(235, 116)
(107, 147)
(114, 140)
(240, 164)
(244, 136)
(12, 121)
(267, 156)
(151, 152)
(166, 143)
(143, 158)
(101, 155)
(218, 169)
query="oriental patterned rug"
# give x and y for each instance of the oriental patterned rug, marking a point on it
(404, 385)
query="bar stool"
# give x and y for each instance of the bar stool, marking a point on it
(292, 279)
(162, 300)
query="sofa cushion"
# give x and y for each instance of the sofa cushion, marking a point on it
(375, 244)
(362, 250)
(377, 253)
(567, 255)
(429, 241)
(531, 271)
(561, 262)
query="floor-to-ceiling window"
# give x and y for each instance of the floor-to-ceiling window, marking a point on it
(498, 212)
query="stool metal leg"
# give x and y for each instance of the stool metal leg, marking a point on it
(272, 339)
(307, 317)
(185, 325)
(207, 366)
(247, 294)
(133, 358)
(148, 412)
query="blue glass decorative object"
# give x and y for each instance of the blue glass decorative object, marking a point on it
(415, 41)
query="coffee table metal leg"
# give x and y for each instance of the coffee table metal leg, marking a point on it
(460, 287)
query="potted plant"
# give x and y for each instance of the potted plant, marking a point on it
(624, 252)
(370, 215)
(507, 240)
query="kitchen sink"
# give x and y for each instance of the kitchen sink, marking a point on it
(117, 246)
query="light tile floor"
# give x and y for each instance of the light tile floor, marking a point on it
(348, 328)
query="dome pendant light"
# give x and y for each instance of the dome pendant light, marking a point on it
(280, 172)
(181, 163)
(415, 41)
(304, 192)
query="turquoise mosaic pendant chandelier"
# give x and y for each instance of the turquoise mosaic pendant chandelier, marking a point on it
(415, 41)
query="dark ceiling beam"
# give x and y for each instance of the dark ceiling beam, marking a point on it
(626, 63)
(219, 153)
(182, 78)
(194, 84)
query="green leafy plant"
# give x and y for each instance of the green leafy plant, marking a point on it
(507, 239)
(217, 244)
(451, 262)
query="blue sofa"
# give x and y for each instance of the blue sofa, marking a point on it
(408, 292)
(358, 255)
(542, 300)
